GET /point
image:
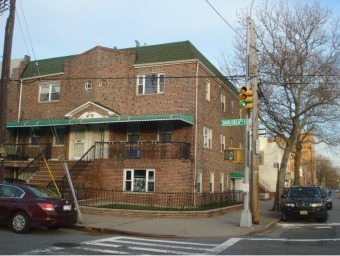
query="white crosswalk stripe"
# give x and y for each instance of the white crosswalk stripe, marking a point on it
(309, 225)
(133, 245)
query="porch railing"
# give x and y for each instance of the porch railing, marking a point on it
(79, 166)
(142, 149)
(35, 164)
(27, 151)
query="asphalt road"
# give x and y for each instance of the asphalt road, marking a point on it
(299, 237)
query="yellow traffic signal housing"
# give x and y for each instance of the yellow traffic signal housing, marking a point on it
(246, 98)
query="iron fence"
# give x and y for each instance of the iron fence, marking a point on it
(118, 199)
(143, 150)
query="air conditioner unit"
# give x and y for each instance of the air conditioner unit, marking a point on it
(134, 153)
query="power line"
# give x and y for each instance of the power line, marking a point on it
(225, 21)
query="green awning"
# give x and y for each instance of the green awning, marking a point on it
(237, 175)
(103, 120)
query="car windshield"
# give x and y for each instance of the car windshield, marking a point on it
(43, 192)
(303, 192)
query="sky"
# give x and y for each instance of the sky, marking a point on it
(47, 29)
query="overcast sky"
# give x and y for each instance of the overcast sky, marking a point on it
(47, 28)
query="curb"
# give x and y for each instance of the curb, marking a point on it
(121, 232)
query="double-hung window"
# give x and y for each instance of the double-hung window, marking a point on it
(133, 132)
(136, 180)
(222, 102)
(212, 182)
(165, 131)
(207, 90)
(222, 142)
(221, 182)
(151, 83)
(199, 185)
(49, 92)
(35, 136)
(207, 137)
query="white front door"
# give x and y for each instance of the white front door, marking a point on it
(78, 140)
(82, 138)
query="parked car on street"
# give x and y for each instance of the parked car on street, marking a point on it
(326, 194)
(303, 202)
(23, 206)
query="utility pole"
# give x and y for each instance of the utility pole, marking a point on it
(246, 218)
(255, 135)
(5, 71)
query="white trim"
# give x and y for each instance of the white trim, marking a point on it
(85, 105)
(147, 171)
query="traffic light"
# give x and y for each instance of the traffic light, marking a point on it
(229, 154)
(234, 154)
(246, 98)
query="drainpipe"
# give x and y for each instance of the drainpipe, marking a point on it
(20, 100)
(19, 110)
(196, 130)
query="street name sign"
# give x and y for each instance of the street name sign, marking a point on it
(233, 122)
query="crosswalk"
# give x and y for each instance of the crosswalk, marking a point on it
(126, 245)
(307, 225)
(121, 245)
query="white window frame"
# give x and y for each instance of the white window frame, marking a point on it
(222, 142)
(223, 102)
(207, 137)
(88, 85)
(212, 182)
(141, 83)
(228, 182)
(222, 182)
(50, 87)
(199, 186)
(148, 181)
(207, 90)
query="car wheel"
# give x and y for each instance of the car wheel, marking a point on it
(322, 219)
(20, 222)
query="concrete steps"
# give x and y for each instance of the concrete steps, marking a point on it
(43, 176)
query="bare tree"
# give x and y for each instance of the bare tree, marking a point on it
(298, 60)
(326, 173)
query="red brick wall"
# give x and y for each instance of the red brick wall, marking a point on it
(120, 96)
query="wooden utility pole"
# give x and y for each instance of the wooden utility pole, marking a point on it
(255, 136)
(5, 72)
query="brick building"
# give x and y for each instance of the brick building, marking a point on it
(147, 118)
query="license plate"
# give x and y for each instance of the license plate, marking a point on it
(303, 212)
(67, 207)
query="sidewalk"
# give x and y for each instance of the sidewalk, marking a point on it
(217, 226)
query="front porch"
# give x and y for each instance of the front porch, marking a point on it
(31, 162)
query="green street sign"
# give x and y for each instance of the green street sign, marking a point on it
(233, 122)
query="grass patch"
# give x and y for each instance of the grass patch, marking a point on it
(155, 208)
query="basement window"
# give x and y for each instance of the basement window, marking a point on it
(138, 180)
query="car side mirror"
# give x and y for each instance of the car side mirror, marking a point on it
(283, 196)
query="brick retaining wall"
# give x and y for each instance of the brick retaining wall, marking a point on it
(160, 214)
